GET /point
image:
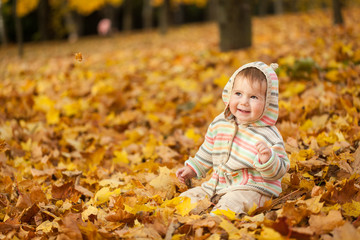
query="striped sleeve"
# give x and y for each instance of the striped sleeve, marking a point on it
(201, 163)
(277, 165)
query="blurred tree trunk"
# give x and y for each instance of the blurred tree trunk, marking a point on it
(178, 14)
(164, 17)
(338, 18)
(211, 10)
(110, 13)
(234, 19)
(79, 23)
(295, 6)
(43, 19)
(71, 25)
(2, 27)
(263, 7)
(127, 20)
(279, 7)
(147, 14)
(18, 31)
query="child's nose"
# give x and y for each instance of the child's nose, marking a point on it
(244, 101)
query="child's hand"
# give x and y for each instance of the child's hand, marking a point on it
(185, 173)
(264, 152)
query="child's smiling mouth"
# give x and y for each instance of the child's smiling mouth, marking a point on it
(243, 111)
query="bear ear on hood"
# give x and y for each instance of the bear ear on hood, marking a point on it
(274, 66)
(271, 110)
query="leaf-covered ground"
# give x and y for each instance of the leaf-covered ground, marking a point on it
(93, 132)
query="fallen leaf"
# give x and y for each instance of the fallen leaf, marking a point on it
(323, 224)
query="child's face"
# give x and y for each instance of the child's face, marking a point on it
(247, 100)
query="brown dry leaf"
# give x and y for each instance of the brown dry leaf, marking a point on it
(324, 224)
(3, 146)
(37, 195)
(24, 201)
(356, 163)
(346, 193)
(164, 183)
(295, 212)
(62, 191)
(29, 213)
(69, 227)
(38, 173)
(346, 231)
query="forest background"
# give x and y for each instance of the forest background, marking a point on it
(93, 128)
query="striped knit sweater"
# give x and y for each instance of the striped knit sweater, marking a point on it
(229, 148)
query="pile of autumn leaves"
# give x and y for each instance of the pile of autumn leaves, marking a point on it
(91, 136)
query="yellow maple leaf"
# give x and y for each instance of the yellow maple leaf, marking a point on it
(234, 232)
(293, 89)
(26, 146)
(206, 99)
(47, 226)
(269, 234)
(91, 210)
(351, 209)
(138, 208)
(221, 81)
(178, 236)
(190, 133)
(306, 125)
(72, 108)
(120, 157)
(43, 103)
(306, 184)
(53, 116)
(331, 207)
(325, 139)
(252, 209)
(333, 75)
(104, 194)
(67, 205)
(313, 204)
(172, 202)
(164, 181)
(186, 85)
(214, 237)
(231, 215)
(185, 206)
(288, 60)
(97, 156)
(113, 183)
(102, 87)
(149, 149)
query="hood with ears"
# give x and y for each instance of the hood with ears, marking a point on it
(271, 110)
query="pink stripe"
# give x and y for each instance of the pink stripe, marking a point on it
(245, 177)
(245, 145)
(223, 135)
(260, 179)
(216, 176)
(209, 139)
(268, 120)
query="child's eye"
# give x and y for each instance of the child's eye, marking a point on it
(237, 93)
(254, 97)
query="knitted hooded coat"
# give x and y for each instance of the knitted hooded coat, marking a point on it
(229, 148)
